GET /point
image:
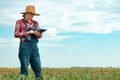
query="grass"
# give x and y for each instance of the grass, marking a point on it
(65, 74)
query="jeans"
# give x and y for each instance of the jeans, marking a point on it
(29, 53)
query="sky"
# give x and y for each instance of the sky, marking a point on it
(80, 33)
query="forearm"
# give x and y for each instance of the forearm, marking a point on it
(20, 34)
(40, 36)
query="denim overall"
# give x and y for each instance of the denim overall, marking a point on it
(29, 53)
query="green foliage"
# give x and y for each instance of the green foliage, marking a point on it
(64, 74)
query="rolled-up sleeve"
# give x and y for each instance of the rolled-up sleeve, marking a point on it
(18, 32)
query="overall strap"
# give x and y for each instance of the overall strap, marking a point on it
(24, 22)
(34, 24)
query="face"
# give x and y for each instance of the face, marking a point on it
(29, 16)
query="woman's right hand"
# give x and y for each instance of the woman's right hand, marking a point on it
(31, 32)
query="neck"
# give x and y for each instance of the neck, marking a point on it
(28, 19)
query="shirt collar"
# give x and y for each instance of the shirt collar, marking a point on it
(27, 21)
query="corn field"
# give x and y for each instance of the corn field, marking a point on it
(65, 74)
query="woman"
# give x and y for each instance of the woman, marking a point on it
(28, 31)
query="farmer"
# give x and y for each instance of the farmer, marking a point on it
(28, 31)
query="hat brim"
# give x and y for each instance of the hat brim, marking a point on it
(30, 12)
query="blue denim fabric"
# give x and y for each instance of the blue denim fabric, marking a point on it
(29, 53)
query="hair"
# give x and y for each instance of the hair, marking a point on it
(23, 15)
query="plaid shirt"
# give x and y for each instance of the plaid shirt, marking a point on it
(20, 29)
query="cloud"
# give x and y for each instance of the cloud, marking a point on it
(96, 16)
(5, 42)
(90, 17)
(64, 20)
(52, 45)
(96, 22)
(57, 38)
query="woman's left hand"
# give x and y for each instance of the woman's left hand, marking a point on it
(37, 34)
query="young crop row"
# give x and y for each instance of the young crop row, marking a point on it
(65, 74)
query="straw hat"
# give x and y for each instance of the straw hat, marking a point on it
(30, 9)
